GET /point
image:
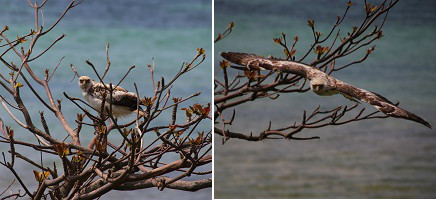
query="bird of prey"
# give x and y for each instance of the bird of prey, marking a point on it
(322, 83)
(123, 102)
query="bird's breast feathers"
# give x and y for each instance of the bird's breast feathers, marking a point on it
(325, 92)
(93, 101)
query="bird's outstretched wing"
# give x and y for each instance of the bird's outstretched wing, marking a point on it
(253, 62)
(379, 102)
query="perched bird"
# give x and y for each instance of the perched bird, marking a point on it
(322, 83)
(123, 102)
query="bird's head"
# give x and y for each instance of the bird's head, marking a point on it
(317, 84)
(85, 82)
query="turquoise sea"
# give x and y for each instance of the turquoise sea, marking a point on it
(169, 31)
(390, 158)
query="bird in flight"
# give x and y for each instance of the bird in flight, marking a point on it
(322, 83)
(123, 102)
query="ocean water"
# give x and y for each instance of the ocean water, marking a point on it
(170, 32)
(390, 158)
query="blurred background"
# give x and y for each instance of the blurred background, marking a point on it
(389, 158)
(137, 31)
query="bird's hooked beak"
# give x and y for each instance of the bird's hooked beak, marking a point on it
(318, 87)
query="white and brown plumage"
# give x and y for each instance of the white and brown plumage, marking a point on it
(322, 83)
(123, 102)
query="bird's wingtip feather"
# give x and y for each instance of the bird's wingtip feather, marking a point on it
(428, 125)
